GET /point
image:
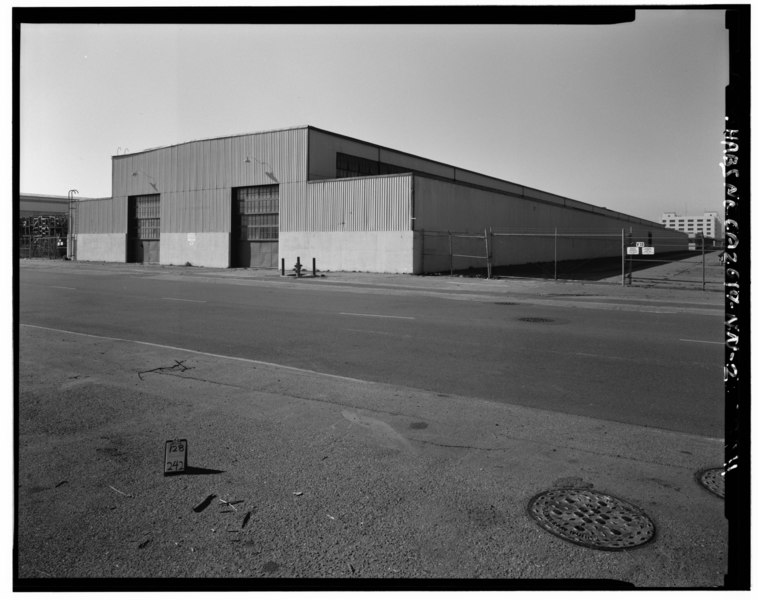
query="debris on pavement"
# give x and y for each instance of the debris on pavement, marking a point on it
(298, 493)
(230, 503)
(245, 519)
(120, 492)
(204, 504)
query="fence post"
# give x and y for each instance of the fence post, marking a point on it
(631, 258)
(555, 255)
(492, 248)
(623, 257)
(450, 238)
(487, 253)
(421, 233)
(703, 242)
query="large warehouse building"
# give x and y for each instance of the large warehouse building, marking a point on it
(251, 200)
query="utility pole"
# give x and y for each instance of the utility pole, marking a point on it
(70, 236)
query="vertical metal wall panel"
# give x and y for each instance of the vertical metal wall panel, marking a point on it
(466, 176)
(415, 163)
(324, 147)
(106, 215)
(366, 204)
(446, 206)
(195, 179)
(196, 211)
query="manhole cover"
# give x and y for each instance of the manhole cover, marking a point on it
(535, 320)
(591, 519)
(713, 480)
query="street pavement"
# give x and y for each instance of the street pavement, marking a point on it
(312, 475)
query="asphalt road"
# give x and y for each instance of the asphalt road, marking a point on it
(654, 364)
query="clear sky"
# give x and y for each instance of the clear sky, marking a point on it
(626, 116)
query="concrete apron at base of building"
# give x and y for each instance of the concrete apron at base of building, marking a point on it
(383, 251)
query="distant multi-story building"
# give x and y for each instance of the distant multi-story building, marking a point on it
(709, 225)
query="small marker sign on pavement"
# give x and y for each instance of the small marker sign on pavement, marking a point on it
(175, 460)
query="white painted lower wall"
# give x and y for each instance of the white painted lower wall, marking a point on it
(198, 249)
(364, 251)
(104, 247)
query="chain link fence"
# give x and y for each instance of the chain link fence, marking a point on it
(43, 236)
(628, 257)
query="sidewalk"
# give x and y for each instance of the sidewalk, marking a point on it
(580, 292)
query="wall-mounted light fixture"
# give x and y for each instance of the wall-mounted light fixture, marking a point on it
(151, 181)
(269, 173)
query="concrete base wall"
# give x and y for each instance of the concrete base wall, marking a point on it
(104, 247)
(364, 251)
(198, 249)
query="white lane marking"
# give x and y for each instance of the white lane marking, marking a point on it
(606, 356)
(701, 341)
(377, 316)
(603, 356)
(404, 335)
(185, 300)
(62, 287)
(238, 358)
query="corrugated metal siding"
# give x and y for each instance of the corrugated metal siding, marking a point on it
(465, 176)
(547, 197)
(325, 145)
(41, 205)
(107, 215)
(413, 163)
(196, 211)
(444, 206)
(195, 179)
(323, 153)
(365, 204)
(215, 163)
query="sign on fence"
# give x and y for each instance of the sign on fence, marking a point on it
(648, 250)
(633, 250)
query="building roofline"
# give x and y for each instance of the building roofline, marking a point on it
(223, 137)
(593, 208)
(524, 188)
(411, 155)
(53, 197)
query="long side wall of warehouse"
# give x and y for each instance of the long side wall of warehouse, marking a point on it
(361, 224)
(442, 207)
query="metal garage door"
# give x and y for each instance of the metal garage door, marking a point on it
(144, 229)
(255, 226)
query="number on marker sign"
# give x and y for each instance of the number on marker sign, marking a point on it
(175, 460)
